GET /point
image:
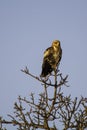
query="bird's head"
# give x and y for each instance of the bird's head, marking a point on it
(56, 43)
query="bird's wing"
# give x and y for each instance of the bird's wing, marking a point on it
(48, 52)
(46, 66)
(48, 55)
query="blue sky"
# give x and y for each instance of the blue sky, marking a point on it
(27, 28)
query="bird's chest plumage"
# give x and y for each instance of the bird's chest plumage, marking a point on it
(55, 54)
(54, 59)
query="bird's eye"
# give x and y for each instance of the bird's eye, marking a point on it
(56, 43)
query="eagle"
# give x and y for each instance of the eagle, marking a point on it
(52, 57)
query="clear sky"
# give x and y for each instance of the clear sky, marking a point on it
(27, 28)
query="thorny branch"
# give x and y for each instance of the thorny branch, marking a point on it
(29, 115)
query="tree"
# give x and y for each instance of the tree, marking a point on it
(49, 111)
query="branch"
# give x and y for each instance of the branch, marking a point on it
(63, 81)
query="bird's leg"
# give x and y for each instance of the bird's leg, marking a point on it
(57, 68)
(55, 75)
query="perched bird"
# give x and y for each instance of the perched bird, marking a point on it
(52, 57)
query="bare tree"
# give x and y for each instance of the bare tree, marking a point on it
(49, 111)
